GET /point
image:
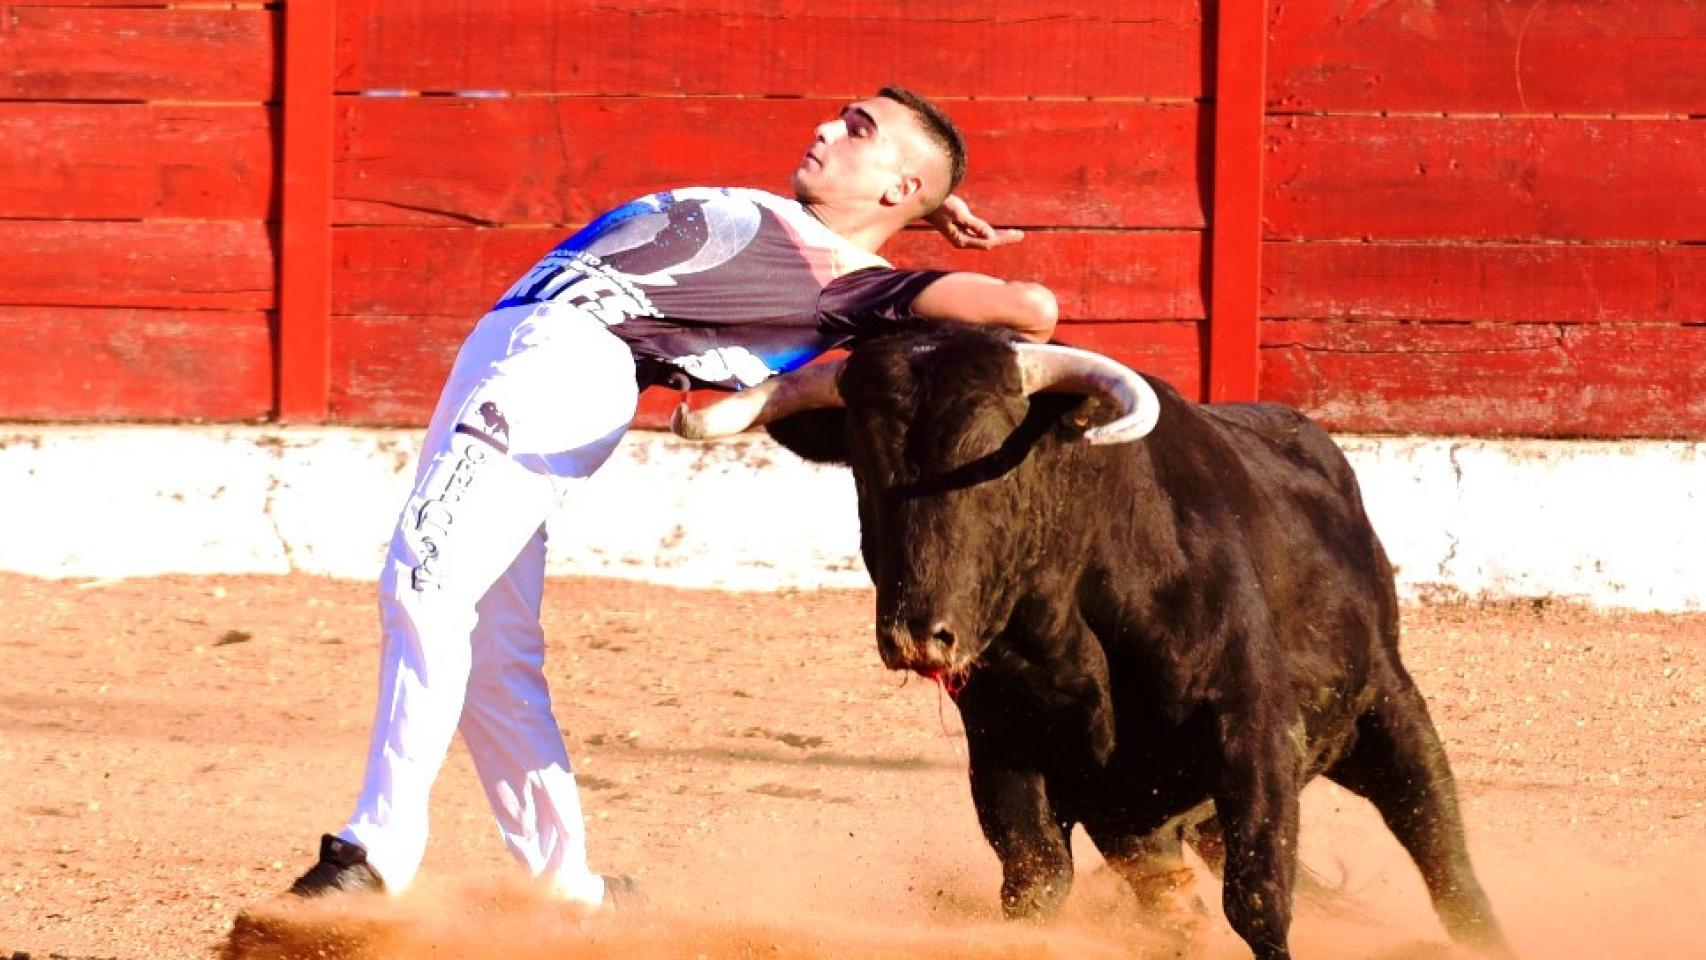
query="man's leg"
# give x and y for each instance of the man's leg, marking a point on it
(514, 738)
(536, 396)
(507, 720)
(472, 512)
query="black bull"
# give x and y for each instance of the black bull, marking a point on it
(1178, 631)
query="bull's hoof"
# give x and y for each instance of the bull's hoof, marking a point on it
(1035, 902)
(1167, 900)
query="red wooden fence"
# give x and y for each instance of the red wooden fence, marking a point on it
(1471, 216)
(1485, 216)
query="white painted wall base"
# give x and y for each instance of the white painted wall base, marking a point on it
(1619, 525)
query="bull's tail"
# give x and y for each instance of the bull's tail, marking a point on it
(1331, 897)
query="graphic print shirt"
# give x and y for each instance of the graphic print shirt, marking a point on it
(728, 285)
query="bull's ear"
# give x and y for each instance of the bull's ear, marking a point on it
(816, 435)
(1074, 415)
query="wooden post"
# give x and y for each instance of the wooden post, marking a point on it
(1235, 267)
(305, 228)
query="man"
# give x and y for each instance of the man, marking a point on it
(726, 286)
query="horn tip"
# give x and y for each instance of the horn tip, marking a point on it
(1128, 430)
(686, 424)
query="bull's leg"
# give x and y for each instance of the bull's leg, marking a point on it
(1399, 765)
(1256, 799)
(1036, 861)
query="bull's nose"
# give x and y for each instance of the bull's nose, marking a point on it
(894, 643)
(917, 647)
(942, 635)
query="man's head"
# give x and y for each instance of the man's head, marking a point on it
(896, 153)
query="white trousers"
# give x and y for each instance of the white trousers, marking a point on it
(539, 396)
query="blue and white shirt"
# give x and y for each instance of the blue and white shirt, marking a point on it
(728, 285)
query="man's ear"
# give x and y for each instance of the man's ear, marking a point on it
(819, 436)
(905, 188)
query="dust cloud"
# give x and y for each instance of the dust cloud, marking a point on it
(1366, 903)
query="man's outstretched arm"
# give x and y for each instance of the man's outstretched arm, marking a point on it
(1026, 308)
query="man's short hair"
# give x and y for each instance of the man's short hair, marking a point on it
(938, 129)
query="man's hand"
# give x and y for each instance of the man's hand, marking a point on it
(964, 229)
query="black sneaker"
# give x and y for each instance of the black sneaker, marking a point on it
(342, 869)
(622, 894)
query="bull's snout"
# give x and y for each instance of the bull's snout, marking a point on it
(928, 647)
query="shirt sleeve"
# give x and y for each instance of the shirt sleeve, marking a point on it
(865, 300)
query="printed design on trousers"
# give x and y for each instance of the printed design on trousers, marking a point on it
(438, 514)
(495, 429)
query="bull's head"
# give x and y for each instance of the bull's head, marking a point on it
(944, 428)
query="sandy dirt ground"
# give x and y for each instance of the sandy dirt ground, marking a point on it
(171, 749)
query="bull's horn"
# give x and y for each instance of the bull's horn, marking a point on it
(805, 389)
(1047, 366)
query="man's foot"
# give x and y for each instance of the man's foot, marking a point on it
(622, 894)
(342, 869)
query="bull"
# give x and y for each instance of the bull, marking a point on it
(1158, 619)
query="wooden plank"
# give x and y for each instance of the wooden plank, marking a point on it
(65, 363)
(1490, 56)
(445, 160)
(23, 4)
(1097, 275)
(1599, 380)
(135, 161)
(1556, 283)
(50, 53)
(186, 265)
(1035, 48)
(305, 221)
(1171, 350)
(447, 272)
(1235, 266)
(389, 369)
(1486, 178)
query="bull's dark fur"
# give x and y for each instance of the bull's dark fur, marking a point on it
(1202, 616)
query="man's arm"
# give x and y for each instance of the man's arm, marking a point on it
(1026, 308)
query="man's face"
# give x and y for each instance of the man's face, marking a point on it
(867, 154)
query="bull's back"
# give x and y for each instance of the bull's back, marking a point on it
(1297, 438)
(1300, 482)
